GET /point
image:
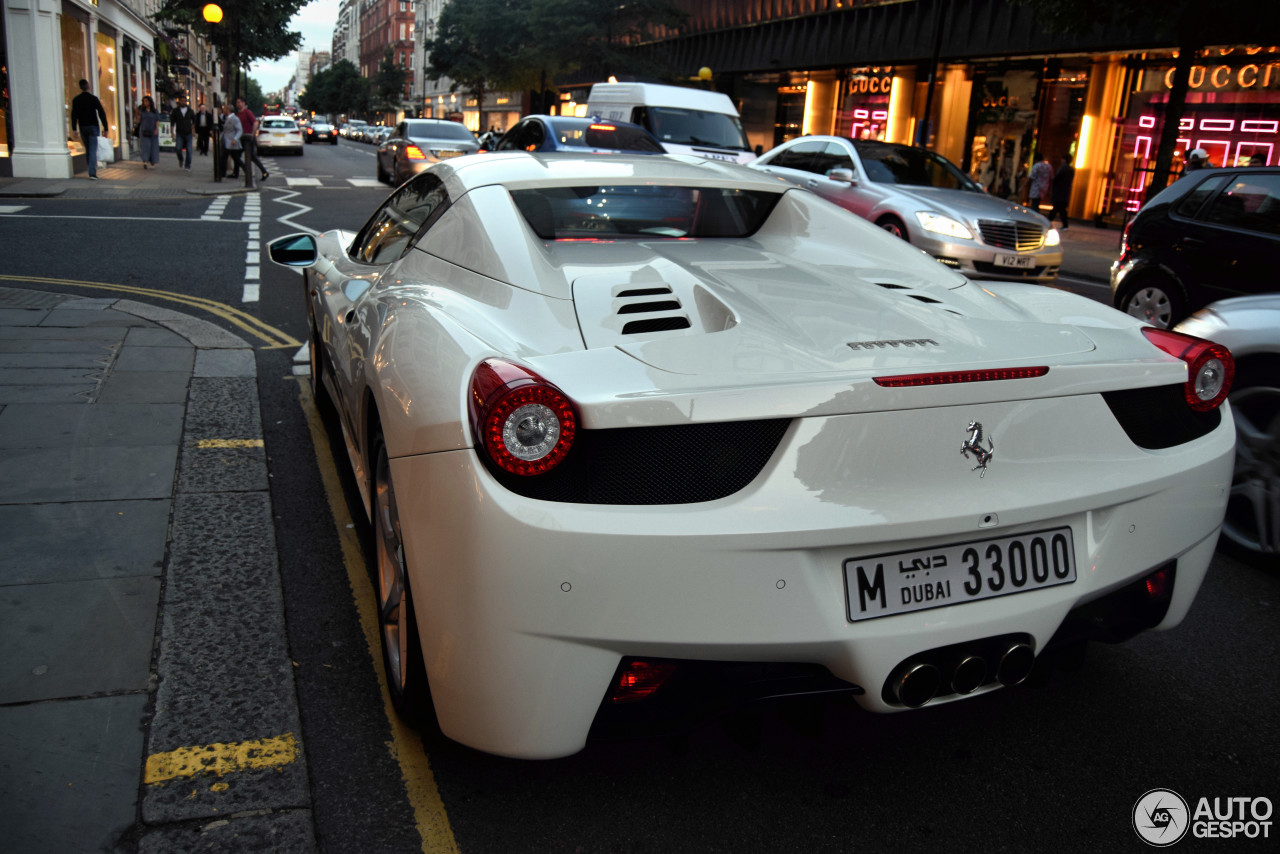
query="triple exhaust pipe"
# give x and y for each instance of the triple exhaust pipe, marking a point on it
(915, 683)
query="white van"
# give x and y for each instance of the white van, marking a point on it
(685, 121)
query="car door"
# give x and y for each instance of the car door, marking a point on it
(1231, 247)
(341, 288)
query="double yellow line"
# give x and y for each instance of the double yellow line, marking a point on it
(272, 338)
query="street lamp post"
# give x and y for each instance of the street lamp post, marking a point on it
(212, 13)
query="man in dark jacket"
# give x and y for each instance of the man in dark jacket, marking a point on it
(183, 119)
(86, 109)
(1062, 181)
(204, 128)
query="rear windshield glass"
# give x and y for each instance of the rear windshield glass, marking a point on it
(605, 135)
(439, 130)
(280, 123)
(559, 213)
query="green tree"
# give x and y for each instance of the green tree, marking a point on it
(1190, 26)
(388, 84)
(249, 30)
(253, 96)
(483, 45)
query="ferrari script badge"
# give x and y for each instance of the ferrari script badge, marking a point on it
(973, 445)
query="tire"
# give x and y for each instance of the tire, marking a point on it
(894, 226)
(397, 623)
(1156, 299)
(383, 177)
(1251, 529)
(333, 141)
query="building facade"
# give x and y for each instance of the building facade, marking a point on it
(983, 83)
(48, 47)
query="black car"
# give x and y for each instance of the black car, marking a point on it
(1212, 234)
(321, 132)
(578, 136)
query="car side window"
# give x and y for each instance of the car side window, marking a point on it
(409, 211)
(834, 156)
(1193, 201)
(516, 138)
(803, 156)
(1251, 202)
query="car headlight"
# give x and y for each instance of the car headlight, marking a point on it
(1052, 238)
(945, 225)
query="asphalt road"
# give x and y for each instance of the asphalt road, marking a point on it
(1050, 768)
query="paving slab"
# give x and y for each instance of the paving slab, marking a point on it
(34, 475)
(54, 425)
(74, 639)
(133, 358)
(63, 786)
(145, 387)
(91, 540)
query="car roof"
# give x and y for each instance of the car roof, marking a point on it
(539, 169)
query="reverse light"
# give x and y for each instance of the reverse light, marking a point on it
(525, 424)
(414, 153)
(949, 377)
(944, 225)
(1210, 367)
(638, 679)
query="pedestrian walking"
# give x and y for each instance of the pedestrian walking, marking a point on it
(248, 141)
(231, 133)
(86, 109)
(204, 129)
(1062, 180)
(147, 130)
(183, 119)
(1041, 180)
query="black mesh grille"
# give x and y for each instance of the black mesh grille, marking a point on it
(680, 464)
(1011, 234)
(1159, 417)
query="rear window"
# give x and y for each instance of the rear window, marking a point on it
(606, 135)
(280, 124)
(606, 212)
(439, 130)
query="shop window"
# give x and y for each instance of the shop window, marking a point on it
(75, 66)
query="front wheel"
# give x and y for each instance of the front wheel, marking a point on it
(894, 226)
(397, 624)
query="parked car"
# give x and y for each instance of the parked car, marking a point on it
(276, 133)
(926, 200)
(1212, 234)
(645, 439)
(417, 143)
(578, 136)
(1250, 328)
(321, 132)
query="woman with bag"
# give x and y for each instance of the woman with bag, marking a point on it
(231, 137)
(148, 131)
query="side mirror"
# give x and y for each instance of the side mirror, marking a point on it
(295, 250)
(844, 176)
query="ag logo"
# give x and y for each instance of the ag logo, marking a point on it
(1161, 817)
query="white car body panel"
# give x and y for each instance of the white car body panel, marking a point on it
(526, 606)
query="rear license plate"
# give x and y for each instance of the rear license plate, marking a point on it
(917, 580)
(445, 154)
(1021, 262)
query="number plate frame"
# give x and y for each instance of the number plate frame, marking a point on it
(936, 577)
(1016, 262)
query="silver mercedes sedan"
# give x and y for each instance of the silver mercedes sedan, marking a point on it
(926, 200)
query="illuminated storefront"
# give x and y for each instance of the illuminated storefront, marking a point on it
(1232, 111)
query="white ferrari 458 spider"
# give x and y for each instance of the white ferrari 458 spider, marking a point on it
(644, 440)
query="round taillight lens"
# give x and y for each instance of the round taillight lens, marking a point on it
(1210, 367)
(525, 424)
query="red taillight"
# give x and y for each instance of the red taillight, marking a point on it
(1159, 584)
(948, 377)
(602, 127)
(639, 679)
(414, 153)
(525, 424)
(1210, 367)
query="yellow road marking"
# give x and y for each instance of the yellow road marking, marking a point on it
(229, 443)
(272, 338)
(406, 745)
(222, 758)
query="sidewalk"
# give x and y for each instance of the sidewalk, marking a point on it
(147, 699)
(128, 180)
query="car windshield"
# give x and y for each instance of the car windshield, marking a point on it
(439, 130)
(696, 127)
(606, 135)
(644, 211)
(916, 167)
